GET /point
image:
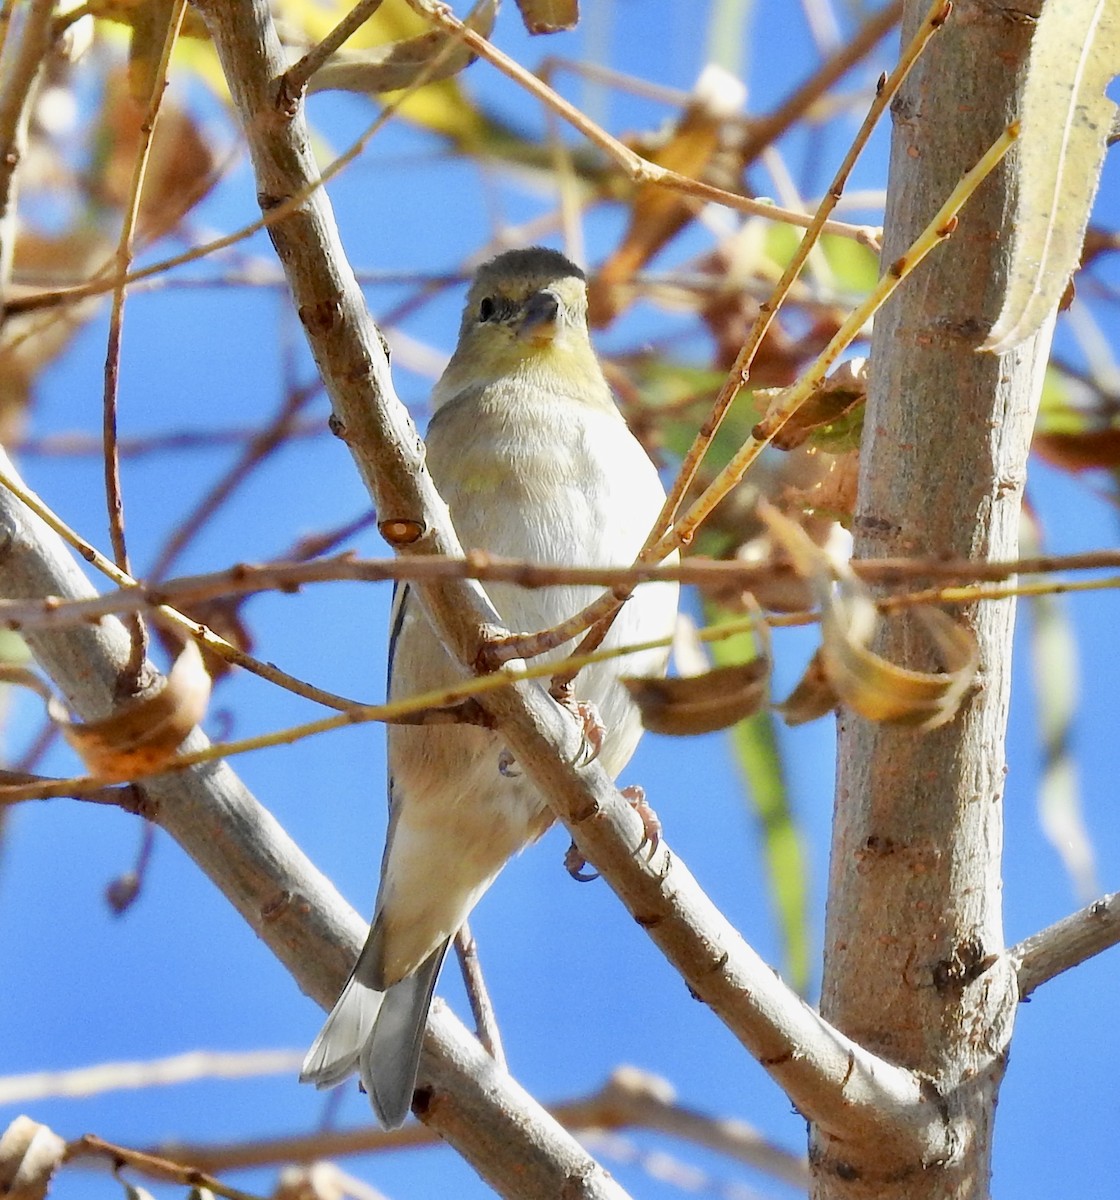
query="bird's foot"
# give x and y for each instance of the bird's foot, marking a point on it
(507, 764)
(635, 795)
(574, 864)
(591, 725)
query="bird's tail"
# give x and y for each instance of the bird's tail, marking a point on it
(378, 1034)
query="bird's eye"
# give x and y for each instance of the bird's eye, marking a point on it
(486, 308)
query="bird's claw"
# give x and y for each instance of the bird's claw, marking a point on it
(507, 765)
(635, 796)
(590, 724)
(574, 862)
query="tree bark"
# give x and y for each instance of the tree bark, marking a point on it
(914, 930)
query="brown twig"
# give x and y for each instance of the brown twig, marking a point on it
(151, 1166)
(248, 578)
(478, 994)
(62, 445)
(482, 1009)
(639, 169)
(297, 75)
(132, 680)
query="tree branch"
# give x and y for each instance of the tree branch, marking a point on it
(850, 1092)
(510, 1140)
(1067, 943)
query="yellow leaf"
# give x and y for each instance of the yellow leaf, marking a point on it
(397, 65)
(1066, 121)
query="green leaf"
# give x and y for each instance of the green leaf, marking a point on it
(1053, 650)
(757, 754)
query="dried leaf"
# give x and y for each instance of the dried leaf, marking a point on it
(880, 690)
(549, 16)
(865, 681)
(30, 1154)
(657, 213)
(1079, 450)
(144, 734)
(812, 698)
(391, 67)
(1066, 121)
(827, 413)
(692, 704)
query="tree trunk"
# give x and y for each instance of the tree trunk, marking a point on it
(914, 930)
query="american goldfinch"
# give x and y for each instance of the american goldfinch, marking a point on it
(535, 462)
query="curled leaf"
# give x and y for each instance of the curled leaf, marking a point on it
(827, 414)
(399, 64)
(845, 666)
(30, 1154)
(881, 690)
(549, 16)
(812, 698)
(691, 704)
(143, 734)
(1066, 122)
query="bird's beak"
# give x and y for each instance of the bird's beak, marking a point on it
(539, 318)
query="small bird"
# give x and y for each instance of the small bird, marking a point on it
(535, 462)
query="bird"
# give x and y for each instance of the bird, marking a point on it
(534, 461)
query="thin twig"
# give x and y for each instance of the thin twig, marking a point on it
(64, 445)
(132, 679)
(207, 637)
(249, 579)
(1067, 943)
(482, 1008)
(297, 75)
(639, 169)
(151, 1166)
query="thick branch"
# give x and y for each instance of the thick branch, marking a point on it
(914, 962)
(826, 1075)
(518, 1148)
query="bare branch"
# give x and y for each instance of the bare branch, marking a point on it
(159, 1072)
(630, 1099)
(246, 579)
(1067, 943)
(291, 907)
(851, 1092)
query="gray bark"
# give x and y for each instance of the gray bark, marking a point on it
(913, 961)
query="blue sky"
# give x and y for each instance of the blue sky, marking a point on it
(577, 992)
